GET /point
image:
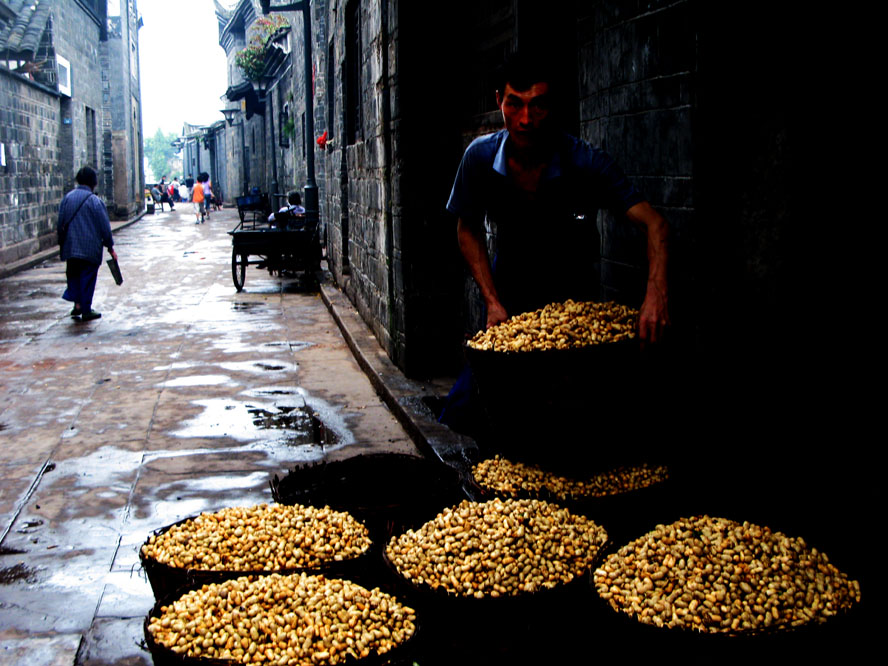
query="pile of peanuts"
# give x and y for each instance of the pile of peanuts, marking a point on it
(718, 576)
(497, 548)
(512, 478)
(560, 326)
(265, 537)
(298, 619)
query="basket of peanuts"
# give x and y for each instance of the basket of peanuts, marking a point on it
(253, 540)
(538, 371)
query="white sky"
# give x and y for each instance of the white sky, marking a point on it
(183, 68)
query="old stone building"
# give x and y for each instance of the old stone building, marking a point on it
(69, 73)
(122, 159)
(697, 118)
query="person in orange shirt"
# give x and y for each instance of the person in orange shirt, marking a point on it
(197, 198)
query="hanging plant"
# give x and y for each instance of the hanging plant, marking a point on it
(251, 58)
(290, 127)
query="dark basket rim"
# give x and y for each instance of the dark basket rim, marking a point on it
(444, 485)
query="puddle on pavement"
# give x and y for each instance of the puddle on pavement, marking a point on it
(178, 365)
(260, 365)
(283, 423)
(305, 427)
(18, 572)
(197, 380)
(237, 345)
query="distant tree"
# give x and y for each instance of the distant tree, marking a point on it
(161, 155)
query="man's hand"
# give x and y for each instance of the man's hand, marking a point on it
(474, 250)
(112, 253)
(654, 316)
(496, 314)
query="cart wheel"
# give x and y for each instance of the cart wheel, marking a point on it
(238, 269)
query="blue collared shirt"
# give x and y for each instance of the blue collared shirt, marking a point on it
(544, 240)
(597, 180)
(83, 235)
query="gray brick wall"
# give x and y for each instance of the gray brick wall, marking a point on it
(637, 71)
(77, 39)
(121, 116)
(368, 279)
(47, 135)
(33, 181)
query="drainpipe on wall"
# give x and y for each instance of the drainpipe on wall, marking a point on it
(387, 178)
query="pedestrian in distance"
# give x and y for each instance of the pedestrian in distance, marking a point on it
(157, 197)
(208, 193)
(83, 229)
(165, 193)
(197, 198)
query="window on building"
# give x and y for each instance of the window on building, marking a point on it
(284, 122)
(92, 152)
(352, 87)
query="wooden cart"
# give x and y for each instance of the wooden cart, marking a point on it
(289, 244)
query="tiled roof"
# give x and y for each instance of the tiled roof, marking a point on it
(22, 36)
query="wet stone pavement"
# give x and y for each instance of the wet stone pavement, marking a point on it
(185, 396)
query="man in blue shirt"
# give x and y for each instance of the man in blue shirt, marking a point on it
(538, 186)
(83, 228)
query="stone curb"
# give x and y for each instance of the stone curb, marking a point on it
(403, 396)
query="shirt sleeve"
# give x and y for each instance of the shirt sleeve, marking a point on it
(465, 197)
(100, 214)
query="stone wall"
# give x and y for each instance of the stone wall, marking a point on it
(77, 38)
(637, 73)
(34, 179)
(46, 135)
(122, 118)
(357, 205)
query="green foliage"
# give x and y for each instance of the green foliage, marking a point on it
(251, 59)
(290, 127)
(161, 156)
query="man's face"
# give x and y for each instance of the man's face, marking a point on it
(524, 112)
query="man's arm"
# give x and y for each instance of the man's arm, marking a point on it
(474, 250)
(654, 317)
